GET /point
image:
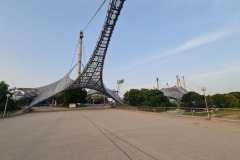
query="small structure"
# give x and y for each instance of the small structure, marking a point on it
(72, 105)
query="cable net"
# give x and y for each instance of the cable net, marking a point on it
(91, 77)
(50, 90)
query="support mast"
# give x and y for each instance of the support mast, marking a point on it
(80, 53)
(178, 84)
(184, 84)
(157, 84)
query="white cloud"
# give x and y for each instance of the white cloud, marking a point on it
(191, 44)
(202, 40)
(222, 80)
(224, 72)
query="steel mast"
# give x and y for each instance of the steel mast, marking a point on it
(80, 52)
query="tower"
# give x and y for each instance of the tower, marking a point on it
(157, 84)
(80, 52)
(184, 84)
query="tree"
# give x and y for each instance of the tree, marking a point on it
(193, 99)
(71, 96)
(134, 97)
(146, 97)
(154, 98)
(236, 94)
(192, 96)
(231, 101)
(219, 100)
(225, 100)
(12, 105)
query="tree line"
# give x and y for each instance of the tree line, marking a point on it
(227, 100)
(146, 97)
(12, 105)
(77, 95)
(156, 98)
(136, 97)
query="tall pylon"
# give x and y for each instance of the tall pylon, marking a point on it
(80, 52)
(184, 83)
(158, 84)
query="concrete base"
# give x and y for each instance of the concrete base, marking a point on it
(107, 134)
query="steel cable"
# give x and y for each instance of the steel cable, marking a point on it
(94, 15)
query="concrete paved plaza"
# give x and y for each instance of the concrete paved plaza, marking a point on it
(111, 134)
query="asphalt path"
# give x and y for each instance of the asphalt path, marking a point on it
(112, 134)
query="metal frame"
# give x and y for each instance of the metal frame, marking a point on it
(91, 76)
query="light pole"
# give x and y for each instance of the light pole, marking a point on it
(204, 90)
(119, 82)
(7, 95)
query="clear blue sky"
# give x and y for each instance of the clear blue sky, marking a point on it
(199, 39)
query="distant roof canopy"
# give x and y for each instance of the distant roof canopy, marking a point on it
(174, 92)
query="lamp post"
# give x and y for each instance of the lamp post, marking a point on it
(7, 95)
(119, 82)
(204, 91)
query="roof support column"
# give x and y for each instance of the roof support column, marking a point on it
(80, 53)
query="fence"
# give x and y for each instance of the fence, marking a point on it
(224, 113)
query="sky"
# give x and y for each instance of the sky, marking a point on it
(198, 39)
